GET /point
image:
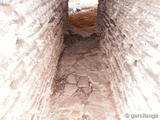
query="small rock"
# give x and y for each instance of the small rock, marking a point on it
(71, 79)
(70, 89)
(83, 81)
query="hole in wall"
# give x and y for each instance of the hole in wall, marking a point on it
(82, 15)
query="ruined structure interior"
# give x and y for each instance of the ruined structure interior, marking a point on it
(79, 59)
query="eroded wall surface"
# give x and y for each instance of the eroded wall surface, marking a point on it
(131, 42)
(30, 43)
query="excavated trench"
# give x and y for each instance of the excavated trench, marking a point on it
(104, 68)
(83, 89)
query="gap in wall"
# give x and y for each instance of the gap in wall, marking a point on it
(82, 16)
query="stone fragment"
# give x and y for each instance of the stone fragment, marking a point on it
(71, 79)
(69, 89)
(83, 81)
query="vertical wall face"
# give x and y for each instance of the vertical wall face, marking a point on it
(131, 42)
(30, 43)
(65, 13)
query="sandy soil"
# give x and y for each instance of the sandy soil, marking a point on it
(83, 22)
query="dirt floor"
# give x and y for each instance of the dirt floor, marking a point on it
(83, 89)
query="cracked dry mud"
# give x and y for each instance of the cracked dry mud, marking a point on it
(84, 91)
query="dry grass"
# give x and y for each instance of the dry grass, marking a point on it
(84, 21)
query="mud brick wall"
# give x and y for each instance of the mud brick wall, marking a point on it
(131, 42)
(31, 37)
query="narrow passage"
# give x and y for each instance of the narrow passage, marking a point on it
(82, 88)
